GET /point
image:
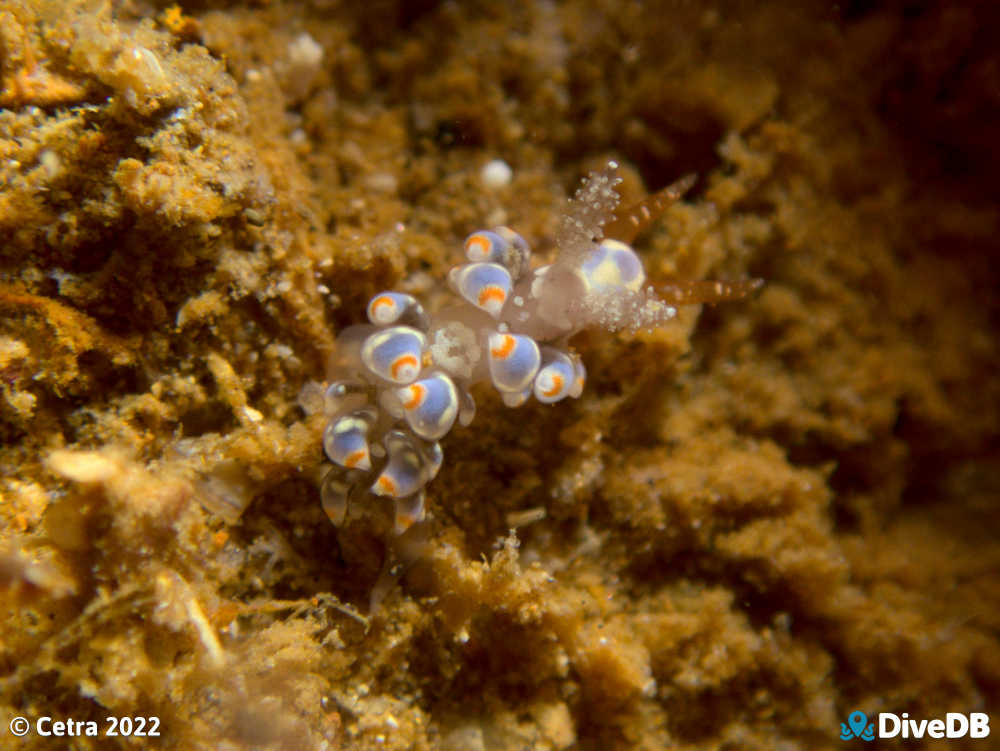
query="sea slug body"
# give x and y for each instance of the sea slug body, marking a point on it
(402, 381)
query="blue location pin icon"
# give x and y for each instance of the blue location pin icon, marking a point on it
(857, 721)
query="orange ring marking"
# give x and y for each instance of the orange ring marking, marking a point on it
(503, 351)
(417, 393)
(556, 388)
(478, 241)
(402, 361)
(355, 458)
(491, 292)
(386, 485)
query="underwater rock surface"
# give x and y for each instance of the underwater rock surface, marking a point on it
(755, 520)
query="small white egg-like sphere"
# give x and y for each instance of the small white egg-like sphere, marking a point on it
(496, 174)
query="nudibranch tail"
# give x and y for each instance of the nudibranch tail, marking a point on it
(403, 380)
(335, 492)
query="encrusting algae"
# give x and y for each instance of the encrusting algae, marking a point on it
(755, 520)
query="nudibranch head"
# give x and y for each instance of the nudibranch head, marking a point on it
(612, 266)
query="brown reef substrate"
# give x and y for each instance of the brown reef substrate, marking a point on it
(757, 519)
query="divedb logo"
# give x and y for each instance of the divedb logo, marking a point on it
(889, 725)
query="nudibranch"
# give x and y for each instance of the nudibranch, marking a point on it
(400, 382)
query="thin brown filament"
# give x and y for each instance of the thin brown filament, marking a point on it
(699, 291)
(629, 222)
